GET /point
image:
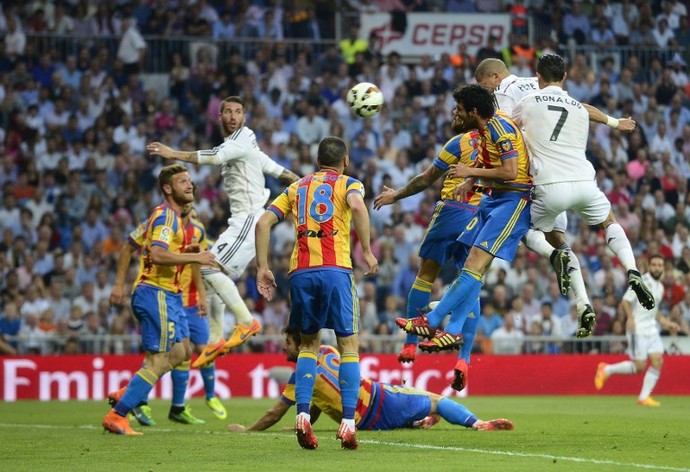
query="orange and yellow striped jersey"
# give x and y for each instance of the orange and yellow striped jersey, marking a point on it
(194, 233)
(164, 229)
(327, 396)
(463, 149)
(322, 219)
(499, 140)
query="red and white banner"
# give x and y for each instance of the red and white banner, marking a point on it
(434, 33)
(88, 377)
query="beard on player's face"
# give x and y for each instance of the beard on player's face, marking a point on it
(230, 128)
(462, 124)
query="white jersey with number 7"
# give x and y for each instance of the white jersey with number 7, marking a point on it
(556, 128)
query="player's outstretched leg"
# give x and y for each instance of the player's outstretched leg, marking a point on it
(644, 295)
(586, 320)
(560, 260)
(305, 435)
(417, 300)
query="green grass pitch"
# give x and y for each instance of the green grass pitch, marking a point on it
(588, 433)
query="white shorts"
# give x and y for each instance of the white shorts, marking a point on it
(641, 345)
(584, 197)
(234, 249)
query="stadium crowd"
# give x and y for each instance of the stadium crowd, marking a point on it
(75, 180)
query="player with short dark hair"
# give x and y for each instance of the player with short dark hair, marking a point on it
(644, 340)
(243, 167)
(556, 128)
(322, 287)
(496, 230)
(450, 217)
(380, 407)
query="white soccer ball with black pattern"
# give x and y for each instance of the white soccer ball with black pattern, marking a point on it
(365, 99)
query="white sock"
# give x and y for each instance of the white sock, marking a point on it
(649, 382)
(624, 368)
(619, 244)
(536, 242)
(216, 317)
(577, 283)
(349, 423)
(306, 415)
(227, 291)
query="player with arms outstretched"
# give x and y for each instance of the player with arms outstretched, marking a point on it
(157, 295)
(440, 240)
(556, 129)
(380, 406)
(243, 166)
(322, 287)
(500, 223)
(644, 340)
(508, 90)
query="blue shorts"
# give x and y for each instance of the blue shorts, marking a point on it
(324, 298)
(503, 219)
(158, 312)
(197, 326)
(440, 240)
(394, 406)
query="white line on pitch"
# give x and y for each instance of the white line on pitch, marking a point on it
(524, 454)
(385, 443)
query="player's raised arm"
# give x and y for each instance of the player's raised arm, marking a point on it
(623, 124)
(360, 218)
(287, 177)
(418, 183)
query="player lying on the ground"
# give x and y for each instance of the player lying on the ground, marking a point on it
(402, 407)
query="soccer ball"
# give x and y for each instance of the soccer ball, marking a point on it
(365, 99)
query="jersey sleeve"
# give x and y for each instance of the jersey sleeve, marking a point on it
(137, 237)
(162, 228)
(449, 155)
(269, 166)
(354, 185)
(281, 206)
(504, 135)
(288, 395)
(203, 240)
(517, 113)
(230, 150)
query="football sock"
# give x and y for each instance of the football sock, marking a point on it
(469, 332)
(227, 291)
(619, 244)
(180, 379)
(649, 382)
(455, 413)
(348, 378)
(536, 242)
(460, 298)
(137, 390)
(216, 315)
(208, 375)
(417, 300)
(622, 368)
(305, 375)
(577, 283)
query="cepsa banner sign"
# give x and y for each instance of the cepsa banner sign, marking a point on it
(434, 33)
(89, 377)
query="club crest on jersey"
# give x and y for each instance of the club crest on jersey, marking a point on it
(506, 146)
(166, 235)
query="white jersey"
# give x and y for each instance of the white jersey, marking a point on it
(556, 127)
(243, 166)
(645, 320)
(512, 89)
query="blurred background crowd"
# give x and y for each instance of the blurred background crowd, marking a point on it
(85, 85)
